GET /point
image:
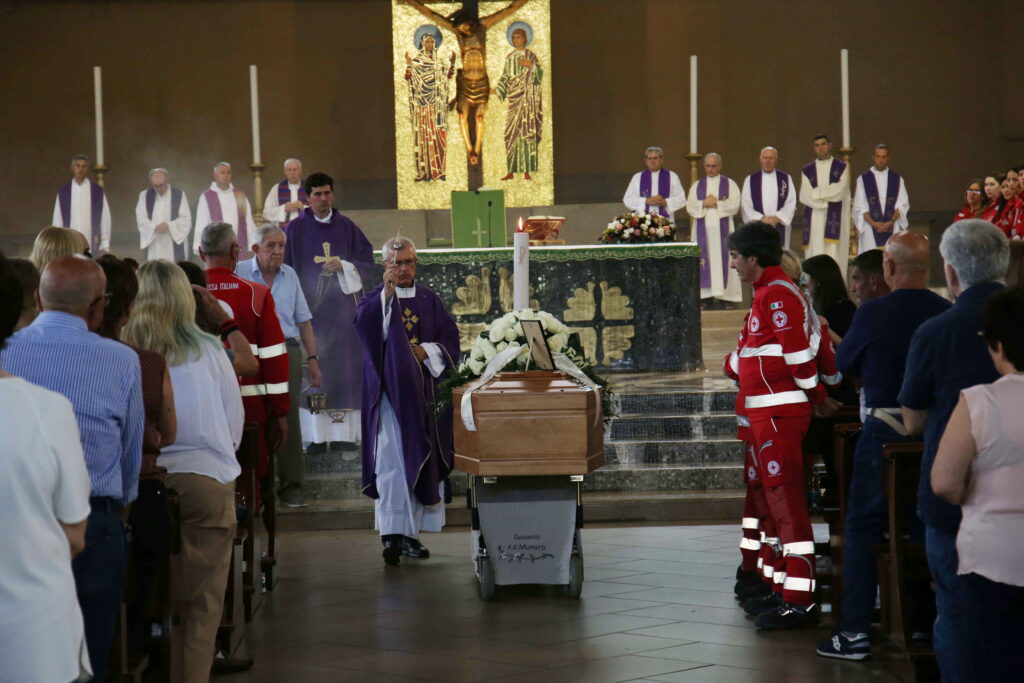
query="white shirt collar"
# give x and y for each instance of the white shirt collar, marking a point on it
(877, 172)
(324, 220)
(406, 292)
(213, 186)
(80, 184)
(764, 172)
(827, 160)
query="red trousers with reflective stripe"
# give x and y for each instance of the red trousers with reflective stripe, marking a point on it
(754, 508)
(779, 442)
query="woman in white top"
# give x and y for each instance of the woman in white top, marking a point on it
(201, 464)
(44, 507)
(980, 466)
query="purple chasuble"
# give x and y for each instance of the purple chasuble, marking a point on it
(702, 233)
(284, 195)
(216, 215)
(664, 188)
(834, 215)
(879, 213)
(95, 210)
(783, 181)
(179, 249)
(390, 368)
(333, 311)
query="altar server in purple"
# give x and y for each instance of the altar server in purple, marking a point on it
(287, 199)
(825, 194)
(223, 203)
(769, 196)
(164, 219)
(333, 260)
(409, 341)
(880, 204)
(656, 190)
(714, 200)
(82, 205)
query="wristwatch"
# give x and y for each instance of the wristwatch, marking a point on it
(312, 357)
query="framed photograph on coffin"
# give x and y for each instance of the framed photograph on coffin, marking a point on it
(539, 351)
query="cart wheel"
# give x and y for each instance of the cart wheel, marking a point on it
(575, 586)
(486, 579)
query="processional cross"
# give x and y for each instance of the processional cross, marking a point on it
(326, 258)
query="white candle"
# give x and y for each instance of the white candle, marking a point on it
(97, 80)
(844, 67)
(693, 104)
(255, 97)
(521, 268)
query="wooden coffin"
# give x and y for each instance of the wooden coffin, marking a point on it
(530, 423)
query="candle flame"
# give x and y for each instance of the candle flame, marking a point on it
(520, 228)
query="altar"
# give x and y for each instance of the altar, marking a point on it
(635, 306)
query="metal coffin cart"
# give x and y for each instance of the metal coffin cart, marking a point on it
(534, 436)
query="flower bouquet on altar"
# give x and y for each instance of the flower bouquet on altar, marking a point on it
(633, 228)
(503, 346)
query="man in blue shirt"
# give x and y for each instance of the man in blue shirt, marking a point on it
(875, 349)
(267, 267)
(947, 356)
(102, 379)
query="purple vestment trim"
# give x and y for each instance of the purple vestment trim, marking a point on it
(879, 213)
(179, 249)
(284, 195)
(702, 236)
(664, 187)
(783, 181)
(834, 215)
(95, 210)
(216, 215)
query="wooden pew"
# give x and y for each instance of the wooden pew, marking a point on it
(232, 629)
(844, 442)
(269, 559)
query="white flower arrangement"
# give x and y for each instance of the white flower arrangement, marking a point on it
(507, 331)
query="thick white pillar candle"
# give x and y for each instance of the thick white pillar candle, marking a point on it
(97, 81)
(521, 268)
(255, 97)
(844, 67)
(693, 104)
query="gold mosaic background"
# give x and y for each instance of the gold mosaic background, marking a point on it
(540, 191)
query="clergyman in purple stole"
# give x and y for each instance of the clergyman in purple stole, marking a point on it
(702, 234)
(309, 244)
(216, 215)
(784, 182)
(664, 187)
(176, 194)
(284, 195)
(95, 211)
(879, 213)
(391, 371)
(834, 215)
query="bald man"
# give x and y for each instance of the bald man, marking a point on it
(875, 349)
(61, 352)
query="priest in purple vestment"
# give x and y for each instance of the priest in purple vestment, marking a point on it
(409, 343)
(655, 190)
(333, 260)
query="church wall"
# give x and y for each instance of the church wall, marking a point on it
(926, 79)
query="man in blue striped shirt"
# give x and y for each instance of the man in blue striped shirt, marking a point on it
(102, 380)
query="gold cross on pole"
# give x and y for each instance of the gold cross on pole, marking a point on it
(326, 258)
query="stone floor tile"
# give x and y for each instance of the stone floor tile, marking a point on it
(599, 647)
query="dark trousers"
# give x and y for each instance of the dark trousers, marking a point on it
(99, 580)
(291, 466)
(150, 521)
(995, 625)
(950, 636)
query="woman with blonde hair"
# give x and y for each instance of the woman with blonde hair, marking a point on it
(201, 464)
(52, 242)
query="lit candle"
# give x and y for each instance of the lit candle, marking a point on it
(693, 104)
(844, 68)
(97, 80)
(521, 268)
(255, 97)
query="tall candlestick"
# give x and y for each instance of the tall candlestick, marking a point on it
(693, 104)
(844, 67)
(255, 97)
(97, 80)
(521, 268)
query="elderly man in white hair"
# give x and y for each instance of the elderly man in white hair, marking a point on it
(287, 199)
(223, 203)
(655, 190)
(164, 219)
(769, 196)
(714, 200)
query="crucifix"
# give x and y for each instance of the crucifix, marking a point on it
(326, 258)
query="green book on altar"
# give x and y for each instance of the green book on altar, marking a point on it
(478, 219)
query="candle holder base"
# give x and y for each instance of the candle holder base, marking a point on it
(257, 172)
(694, 159)
(100, 171)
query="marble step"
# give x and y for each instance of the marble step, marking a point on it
(669, 427)
(717, 450)
(347, 486)
(676, 402)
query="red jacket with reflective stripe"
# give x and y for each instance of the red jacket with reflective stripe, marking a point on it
(777, 357)
(252, 306)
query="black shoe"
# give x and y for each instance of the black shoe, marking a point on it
(842, 646)
(414, 549)
(316, 448)
(787, 616)
(222, 664)
(756, 606)
(746, 591)
(344, 446)
(745, 581)
(392, 549)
